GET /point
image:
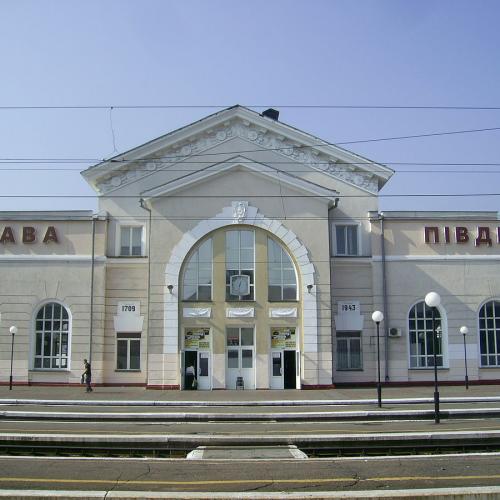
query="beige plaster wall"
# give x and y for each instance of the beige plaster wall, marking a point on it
(464, 284)
(307, 217)
(32, 275)
(125, 280)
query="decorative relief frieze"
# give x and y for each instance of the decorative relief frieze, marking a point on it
(240, 209)
(264, 138)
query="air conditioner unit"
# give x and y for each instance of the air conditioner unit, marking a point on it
(394, 332)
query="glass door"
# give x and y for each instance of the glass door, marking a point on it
(204, 371)
(276, 369)
(240, 358)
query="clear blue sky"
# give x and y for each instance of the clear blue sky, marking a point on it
(268, 53)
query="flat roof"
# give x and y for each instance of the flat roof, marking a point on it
(85, 215)
(436, 215)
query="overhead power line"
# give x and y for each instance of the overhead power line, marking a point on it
(252, 196)
(337, 164)
(335, 219)
(251, 106)
(178, 158)
(285, 148)
(194, 170)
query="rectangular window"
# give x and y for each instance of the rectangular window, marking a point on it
(346, 240)
(128, 351)
(349, 351)
(131, 241)
(240, 259)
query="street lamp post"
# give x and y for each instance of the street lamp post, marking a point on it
(377, 317)
(13, 331)
(432, 299)
(464, 331)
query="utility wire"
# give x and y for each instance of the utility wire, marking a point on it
(251, 106)
(246, 195)
(282, 148)
(7, 161)
(67, 169)
(347, 220)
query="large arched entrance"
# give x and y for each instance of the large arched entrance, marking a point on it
(237, 315)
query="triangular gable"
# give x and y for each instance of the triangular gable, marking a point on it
(260, 132)
(242, 163)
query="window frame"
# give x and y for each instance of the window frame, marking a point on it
(240, 269)
(282, 285)
(496, 334)
(349, 336)
(335, 252)
(443, 337)
(130, 228)
(195, 254)
(35, 331)
(240, 347)
(128, 337)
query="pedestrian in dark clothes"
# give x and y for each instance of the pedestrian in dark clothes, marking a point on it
(87, 375)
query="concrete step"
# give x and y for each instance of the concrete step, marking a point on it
(242, 416)
(246, 453)
(236, 403)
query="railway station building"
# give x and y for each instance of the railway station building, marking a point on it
(241, 252)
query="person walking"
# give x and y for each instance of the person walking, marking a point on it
(87, 375)
(190, 378)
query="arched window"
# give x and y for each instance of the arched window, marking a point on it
(52, 328)
(197, 283)
(489, 333)
(282, 278)
(421, 337)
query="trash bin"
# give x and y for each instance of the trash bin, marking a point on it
(240, 385)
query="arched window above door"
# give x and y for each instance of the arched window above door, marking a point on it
(197, 282)
(281, 271)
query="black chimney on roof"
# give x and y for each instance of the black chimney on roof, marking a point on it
(274, 114)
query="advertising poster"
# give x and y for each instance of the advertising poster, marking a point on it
(283, 338)
(197, 338)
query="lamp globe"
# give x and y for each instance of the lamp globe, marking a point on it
(432, 299)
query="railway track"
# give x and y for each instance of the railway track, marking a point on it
(326, 445)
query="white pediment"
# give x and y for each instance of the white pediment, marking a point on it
(261, 133)
(242, 163)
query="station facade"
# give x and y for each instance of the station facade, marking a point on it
(240, 252)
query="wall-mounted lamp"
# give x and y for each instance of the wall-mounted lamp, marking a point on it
(170, 288)
(309, 288)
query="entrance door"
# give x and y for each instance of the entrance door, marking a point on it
(204, 371)
(240, 357)
(197, 366)
(276, 369)
(289, 369)
(190, 369)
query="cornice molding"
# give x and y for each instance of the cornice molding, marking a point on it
(262, 137)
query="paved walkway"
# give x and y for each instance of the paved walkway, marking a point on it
(343, 396)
